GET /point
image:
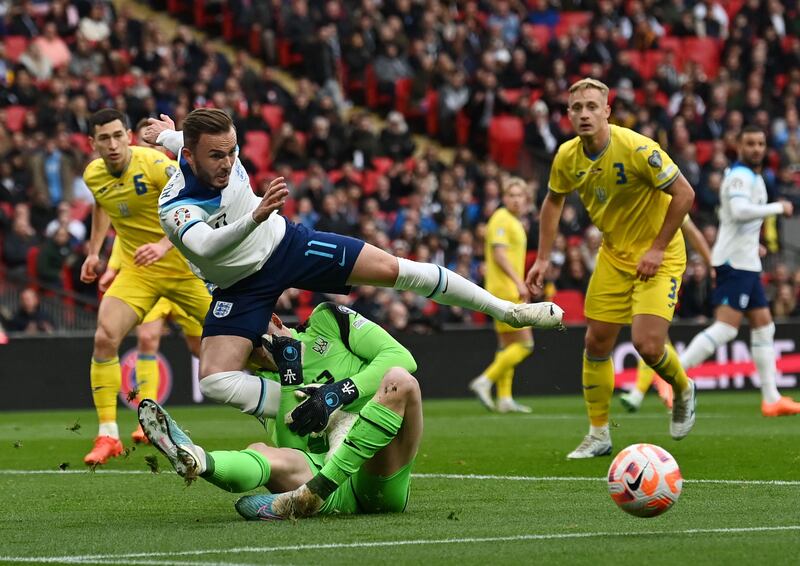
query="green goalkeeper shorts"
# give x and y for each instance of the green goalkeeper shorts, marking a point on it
(365, 492)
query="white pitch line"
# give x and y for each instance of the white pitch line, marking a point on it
(482, 477)
(389, 543)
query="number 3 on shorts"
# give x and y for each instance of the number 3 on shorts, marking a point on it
(673, 288)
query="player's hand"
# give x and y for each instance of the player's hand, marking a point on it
(312, 415)
(524, 293)
(155, 127)
(273, 199)
(148, 254)
(287, 354)
(535, 277)
(649, 264)
(788, 208)
(89, 267)
(107, 279)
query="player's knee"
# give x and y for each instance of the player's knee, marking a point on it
(597, 346)
(106, 343)
(651, 350)
(398, 383)
(148, 342)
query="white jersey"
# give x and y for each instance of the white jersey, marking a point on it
(240, 246)
(743, 207)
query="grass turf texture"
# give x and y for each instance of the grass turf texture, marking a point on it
(127, 515)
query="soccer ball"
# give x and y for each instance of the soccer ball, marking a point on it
(644, 480)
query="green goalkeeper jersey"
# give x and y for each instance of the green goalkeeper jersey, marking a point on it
(338, 344)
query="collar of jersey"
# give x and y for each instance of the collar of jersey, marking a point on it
(600, 153)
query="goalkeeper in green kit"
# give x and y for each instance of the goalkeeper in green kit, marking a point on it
(348, 423)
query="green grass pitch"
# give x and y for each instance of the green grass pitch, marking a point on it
(740, 502)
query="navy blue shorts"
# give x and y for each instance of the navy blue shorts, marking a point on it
(738, 289)
(305, 259)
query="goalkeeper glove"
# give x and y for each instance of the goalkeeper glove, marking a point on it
(287, 354)
(312, 414)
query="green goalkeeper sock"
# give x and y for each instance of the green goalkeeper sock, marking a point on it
(375, 427)
(236, 471)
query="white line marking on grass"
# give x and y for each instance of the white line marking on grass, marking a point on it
(97, 558)
(420, 476)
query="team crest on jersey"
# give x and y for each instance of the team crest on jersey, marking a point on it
(181, 216)
(601, 194)
(170, 170)
(222, 309)
(124, 211)
(654, 160)
(321, 346)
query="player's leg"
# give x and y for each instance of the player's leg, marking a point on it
(114, 320)
(380, 422)
(762, 348)
(514, 345)
(632, 400)
(237, 471)
(377, 267)
(148, 339)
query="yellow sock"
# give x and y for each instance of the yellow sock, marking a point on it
(598, 386)
(507, 358)
(106, 378)
(671, 370)
(147, 376)
(644, 376)
(504, 384)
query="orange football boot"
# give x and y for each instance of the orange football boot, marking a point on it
(664, 390)
(139, 437)
(105, 447)
(783, 407)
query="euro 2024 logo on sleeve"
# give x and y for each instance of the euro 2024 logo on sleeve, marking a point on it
(130, 381)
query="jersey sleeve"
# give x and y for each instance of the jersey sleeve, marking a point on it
(559, 176)
(177, 220)
(655, 167)
(115, 259)
(367, 340)
(161, 171)
(497, 233)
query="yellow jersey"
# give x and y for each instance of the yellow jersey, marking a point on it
(622, 188)
(504, 229)
(131, 201)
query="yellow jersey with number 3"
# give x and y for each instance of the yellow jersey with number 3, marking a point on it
(622, 188)
(504, 229)
(131, 201)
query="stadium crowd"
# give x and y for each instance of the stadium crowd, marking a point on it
(488, 78)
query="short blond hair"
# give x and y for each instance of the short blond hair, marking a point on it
(511, 182)
(583, 84)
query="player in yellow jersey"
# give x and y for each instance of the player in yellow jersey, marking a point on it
(126, 183)
(638, 199)
(148, 336)
(506, 245)
(645, 376)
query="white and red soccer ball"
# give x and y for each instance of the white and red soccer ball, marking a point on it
(644, 480)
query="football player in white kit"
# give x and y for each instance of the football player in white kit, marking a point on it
(232, 240)
(738, 291)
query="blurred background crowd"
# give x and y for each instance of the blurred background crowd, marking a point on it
(395, 121)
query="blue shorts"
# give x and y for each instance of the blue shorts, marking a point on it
(738, 289)
(305, 259)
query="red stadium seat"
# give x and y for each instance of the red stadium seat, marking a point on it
(704, 151)
(652, 60)
(273, 115)
(568, 20)
(32, 257)
(256, 149)
(540, 32)
(432, 119)
(15, 46)
(81, 142)
(463, 125)
(675, 45)
(637, 60)
(704, 51)
(732, 7)
(402, 99)
(382, 164)
(375, 98)
(506, 134)
(15, 117)
(572, 303)
(113, 85)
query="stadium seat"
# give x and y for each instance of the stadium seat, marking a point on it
(15, 117)
(81, 142)
(273, 115)
(15, 46)
(402, 99)
(732, 7)
(432, 119)
(675, 45)
(375, 99)
(506, 134)
(31, 258)
(539, 31)
(704, 150)
(463, 125)
(572, 303)
(568, 20)
(704, 51)
(652, 60)
(112, 84)
(256, 149)
(382, 164)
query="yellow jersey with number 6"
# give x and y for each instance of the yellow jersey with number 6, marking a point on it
(622, 188)
(131, 201)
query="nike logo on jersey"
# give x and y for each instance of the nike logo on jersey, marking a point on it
(580, 174)
(633, 486)
(641, 148)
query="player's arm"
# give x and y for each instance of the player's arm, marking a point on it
(112, 267)
(736, 190)
(100, 224)
(206, 241)
(695, 237)
(148, 254)
(162, 132)
(500, 255)
(548, 229)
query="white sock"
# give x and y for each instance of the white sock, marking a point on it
(483, 380)
(636, 396)
(448, 288)
(253, 395)
(108, 429)
(599, 431)
(706, 343)
(763, 350)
